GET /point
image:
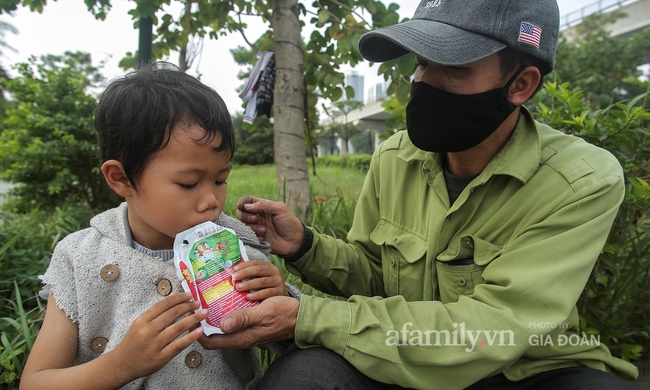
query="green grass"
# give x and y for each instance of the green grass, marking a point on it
(334, 194)
(256, 180)
(260, 181)
(329, 180)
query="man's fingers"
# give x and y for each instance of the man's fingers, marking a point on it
(221, 341)
(245, 200)
(259, 206)
(271, 320)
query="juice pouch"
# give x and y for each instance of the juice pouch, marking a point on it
(204, 256)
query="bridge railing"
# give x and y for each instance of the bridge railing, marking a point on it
(577, 16)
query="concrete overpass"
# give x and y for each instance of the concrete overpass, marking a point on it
(372, 116)
(369, 117)
(637, 16)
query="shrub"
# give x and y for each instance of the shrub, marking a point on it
(358, 161)
(17, 334)
(27, 241)
(48, 147)
(616, 301)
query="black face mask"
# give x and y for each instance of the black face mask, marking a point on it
(441, 122)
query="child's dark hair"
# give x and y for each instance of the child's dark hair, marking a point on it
(137, 113)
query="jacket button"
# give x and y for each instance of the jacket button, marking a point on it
(193, 359)
(164, 287)
(109, 272)
(468, 242)
(462, 281)
(98, 344)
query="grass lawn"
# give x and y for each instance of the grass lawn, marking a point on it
(334, 194)
(329, 184)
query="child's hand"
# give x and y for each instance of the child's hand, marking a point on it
(150, 342)
(265, 278)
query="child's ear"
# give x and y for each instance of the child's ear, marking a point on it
(116, 178)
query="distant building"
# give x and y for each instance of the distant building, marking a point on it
(377, 92)
(380, 90)
(355, 80)
(371, 95)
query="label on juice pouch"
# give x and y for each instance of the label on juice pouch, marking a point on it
(204, 256)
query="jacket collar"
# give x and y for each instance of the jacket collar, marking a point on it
(519, 157)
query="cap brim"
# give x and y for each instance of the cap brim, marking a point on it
(433, 41)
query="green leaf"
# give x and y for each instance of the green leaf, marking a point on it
(403, 92)
(349, 91)
(336, 94)
(323, 17)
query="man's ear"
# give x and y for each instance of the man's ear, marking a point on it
(116, 178)
(524, 86)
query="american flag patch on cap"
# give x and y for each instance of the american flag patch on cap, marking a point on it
(529, 33)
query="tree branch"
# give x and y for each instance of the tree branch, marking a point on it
(265, 11)
(241, 31)
(352, 10)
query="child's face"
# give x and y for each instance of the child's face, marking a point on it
(183, 185)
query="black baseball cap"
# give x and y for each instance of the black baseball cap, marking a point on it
(457, 32)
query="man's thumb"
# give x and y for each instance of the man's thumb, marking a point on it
(263, 206)
(235, 321)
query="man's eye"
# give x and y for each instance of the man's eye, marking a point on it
(188, 186)
(221, 182)
(421, 61)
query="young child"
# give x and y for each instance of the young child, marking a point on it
(115, 313)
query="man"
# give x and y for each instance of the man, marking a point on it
(474, 235)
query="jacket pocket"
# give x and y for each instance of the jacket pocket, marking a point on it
(401, 252)
(460, 267)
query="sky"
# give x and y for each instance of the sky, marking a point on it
(66, 25)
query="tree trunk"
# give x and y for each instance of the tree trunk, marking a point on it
(344, 146)
(183, 61)
(289, 109)
(182, 58)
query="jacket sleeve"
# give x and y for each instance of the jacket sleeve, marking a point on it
(538, 278)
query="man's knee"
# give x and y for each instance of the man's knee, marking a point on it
(587, 379)
(313, 368)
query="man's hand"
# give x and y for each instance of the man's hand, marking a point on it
(272, 320)
(273, 222)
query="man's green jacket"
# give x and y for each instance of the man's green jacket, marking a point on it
(441, 295)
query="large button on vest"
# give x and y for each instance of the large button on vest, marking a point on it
(109, 272)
